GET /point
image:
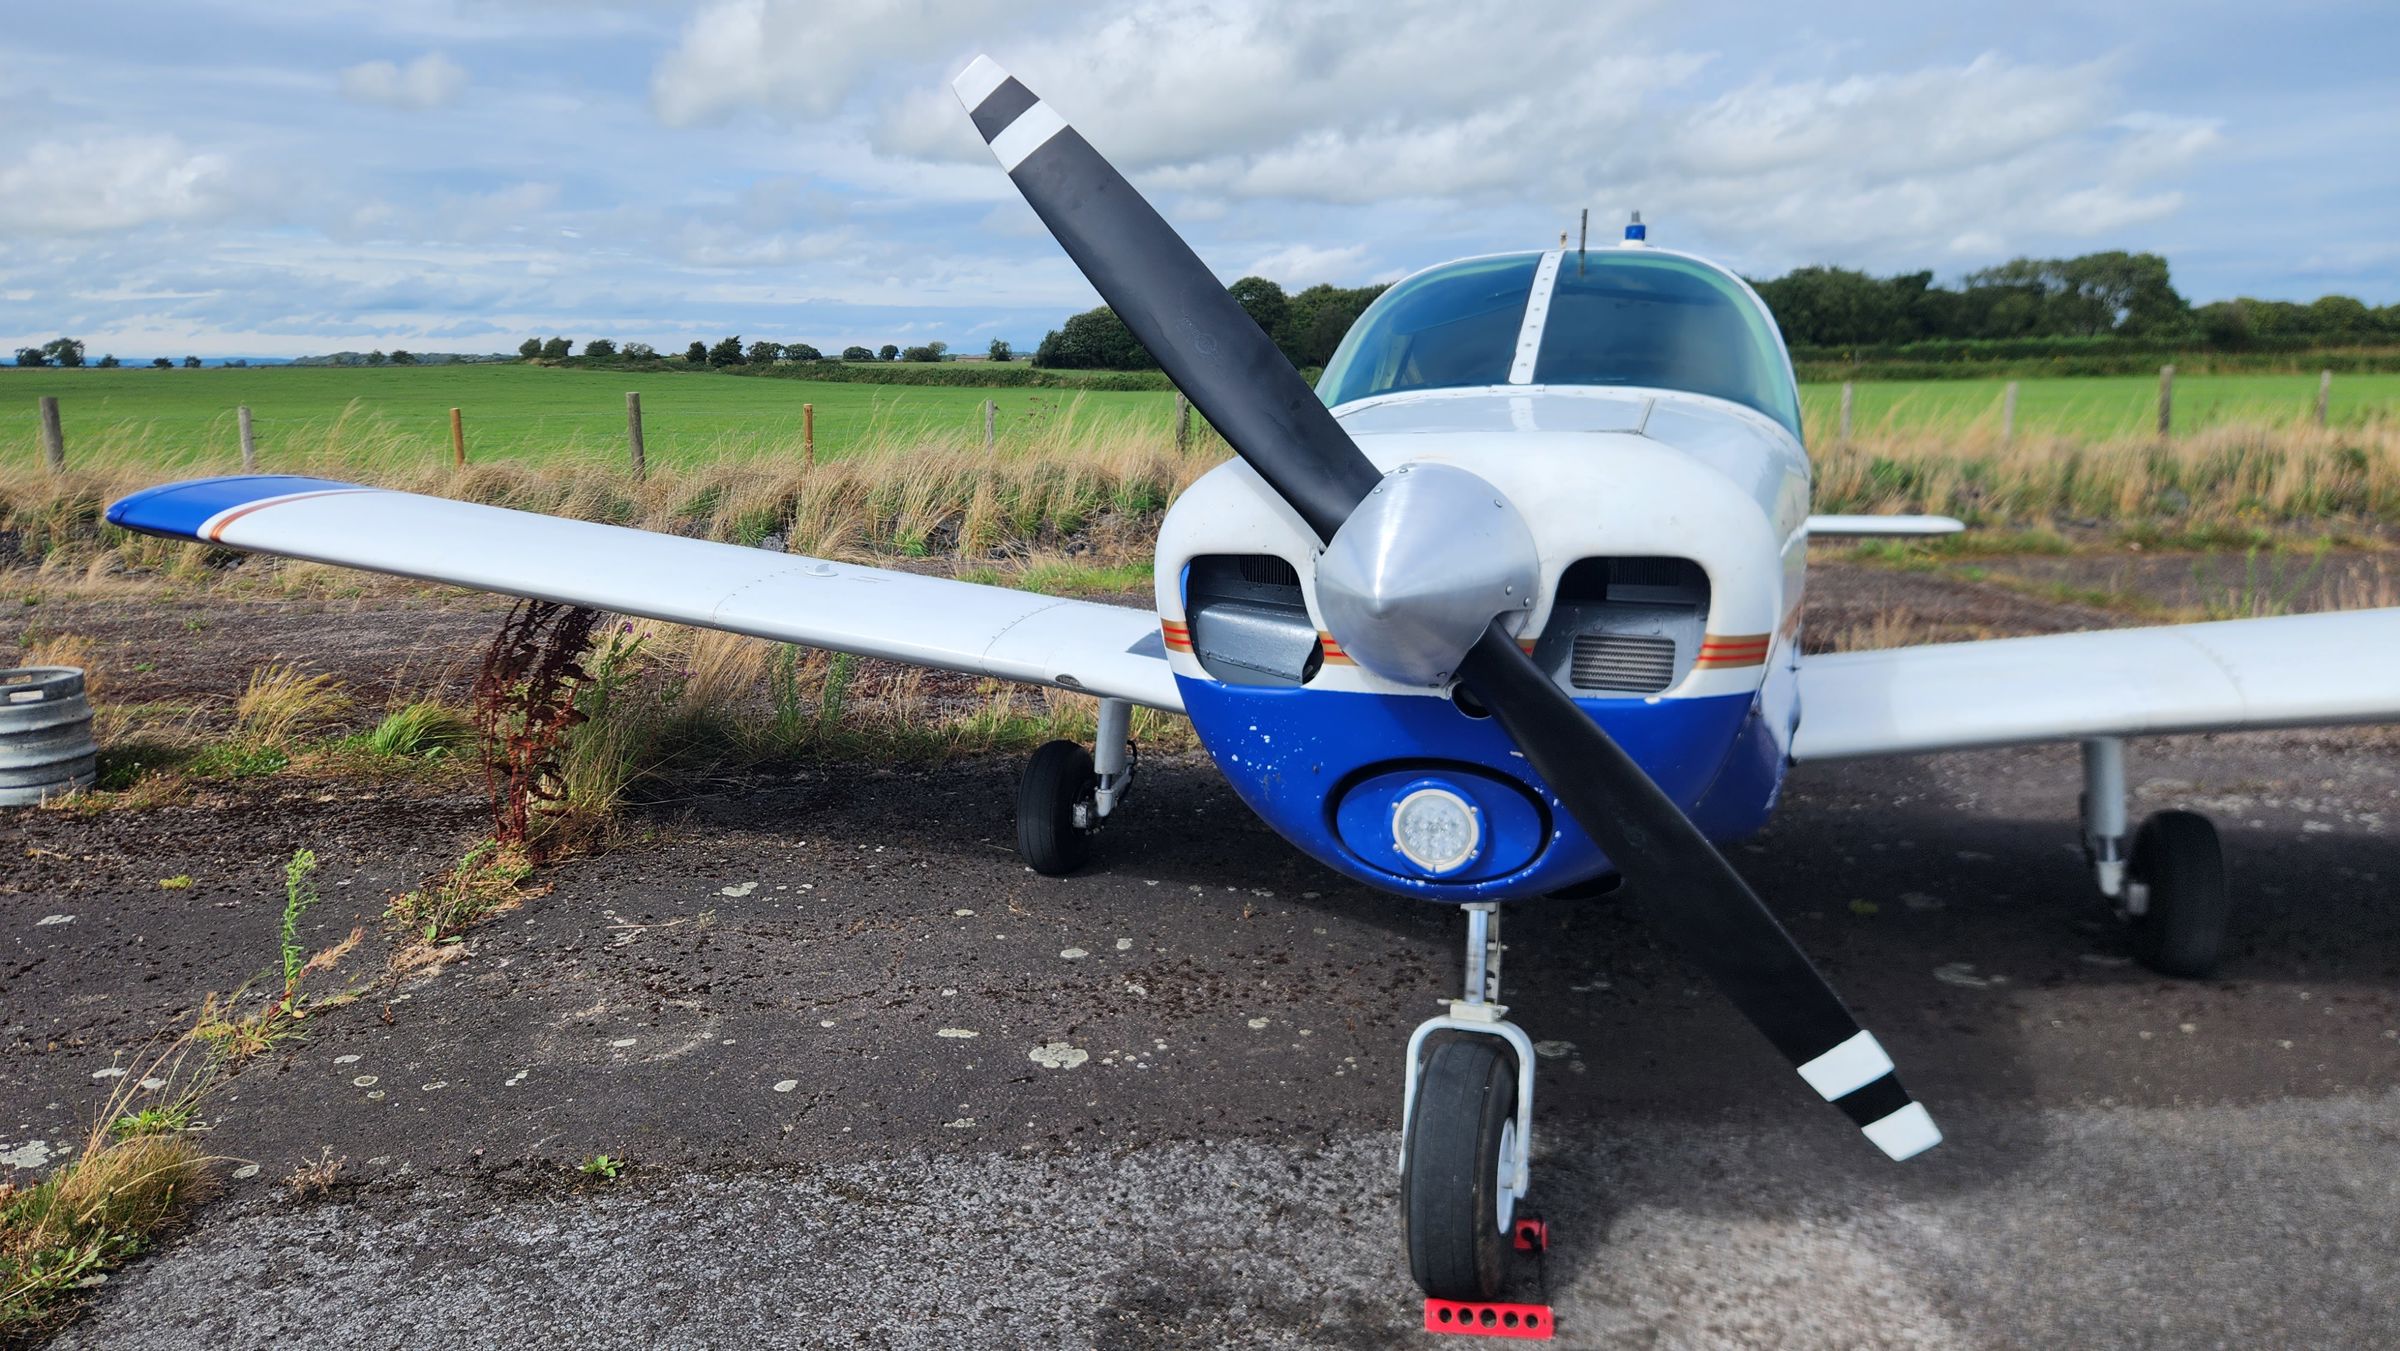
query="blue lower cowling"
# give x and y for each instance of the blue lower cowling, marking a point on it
(1295, 754)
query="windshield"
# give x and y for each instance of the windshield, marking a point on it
(1632, 317)
(1451, 326)
(1615, 317)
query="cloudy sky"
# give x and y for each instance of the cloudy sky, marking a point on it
(269, 178)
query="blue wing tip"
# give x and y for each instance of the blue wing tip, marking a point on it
(178, 510)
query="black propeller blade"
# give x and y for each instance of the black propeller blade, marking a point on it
(1241, 382)
(1233, 373)
(1696, 896)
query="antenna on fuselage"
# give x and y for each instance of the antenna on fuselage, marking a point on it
(1583, 238)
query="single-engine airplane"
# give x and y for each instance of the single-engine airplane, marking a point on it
(1508, 605)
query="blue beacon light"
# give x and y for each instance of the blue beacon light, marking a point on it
(1635, 231)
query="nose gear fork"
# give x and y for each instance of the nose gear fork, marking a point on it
(1478, 1013)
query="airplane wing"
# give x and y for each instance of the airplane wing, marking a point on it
(874, 612)
(2237, 675)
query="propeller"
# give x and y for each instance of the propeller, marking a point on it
(1241, 382)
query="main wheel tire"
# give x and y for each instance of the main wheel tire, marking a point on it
(2181, 930)
(1057, 778)
(1453, 1198)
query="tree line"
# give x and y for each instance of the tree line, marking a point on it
(2096, 296)
(732, 351)
(68, 352)
(2092, 298)
(2094, 301)
(1307, 326)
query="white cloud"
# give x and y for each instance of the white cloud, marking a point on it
(1495, 113)
(804, 56)
(1308, 264)
(427, 82)
(1974, 159)
(108, 182)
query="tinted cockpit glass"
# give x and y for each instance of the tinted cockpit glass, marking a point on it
(1631, 317)
(1449, 327)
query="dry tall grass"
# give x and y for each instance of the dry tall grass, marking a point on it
(1097, 485)
(138, 1171)
(1099, 481)
(668, 700)
(2230, 476)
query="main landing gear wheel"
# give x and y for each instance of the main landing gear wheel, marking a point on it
(1455, 1183)
(1056, 811)
(2183, 905)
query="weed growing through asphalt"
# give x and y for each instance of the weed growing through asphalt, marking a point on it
(236, 1036)
(299, 895)
(425, 730)
(603, 1167)
(489, 878)
(137, 1171)
(281, 705)
(315, 1178)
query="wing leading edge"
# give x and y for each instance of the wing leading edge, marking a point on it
(874, 612)
(2242, 674)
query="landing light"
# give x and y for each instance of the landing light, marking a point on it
(1436, 829)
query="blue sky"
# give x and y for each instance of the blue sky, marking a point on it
(283, 178)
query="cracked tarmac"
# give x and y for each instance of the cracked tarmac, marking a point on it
(879, 1085)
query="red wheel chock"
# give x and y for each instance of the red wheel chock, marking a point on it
(1531, 1322)
(1532, 1235)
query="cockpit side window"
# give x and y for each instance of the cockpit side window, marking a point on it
(1630, 317)
(1450, 327)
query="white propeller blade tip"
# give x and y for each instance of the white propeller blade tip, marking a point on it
(1906, 1133)
(977, 81)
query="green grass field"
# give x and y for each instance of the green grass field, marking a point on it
(185, 418)
(2095, 407)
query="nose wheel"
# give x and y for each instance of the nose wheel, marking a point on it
(1466, 1139)
(1458, 1180)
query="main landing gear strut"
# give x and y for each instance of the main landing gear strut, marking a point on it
(1466, 1135)
(1068, 791)
(2170, 884)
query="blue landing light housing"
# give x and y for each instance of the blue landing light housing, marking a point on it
(1506, 828)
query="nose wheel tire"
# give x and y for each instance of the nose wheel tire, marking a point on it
(1456, 1196)
(2180, 929)
(1057, 790)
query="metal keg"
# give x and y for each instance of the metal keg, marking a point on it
(46, 747)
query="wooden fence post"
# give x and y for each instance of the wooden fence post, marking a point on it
(808, 436)
(1183, 423)
(2166, 401)
(241, 416)
(2324, 394)
(2008, 413)
(458, 440)
(991, 417)
(54, 436)
(634, 449)
(1849, 394)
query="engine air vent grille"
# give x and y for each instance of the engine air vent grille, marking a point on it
(1268, 570)
(1640, 663)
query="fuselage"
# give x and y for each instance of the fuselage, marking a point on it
(1671, 531)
